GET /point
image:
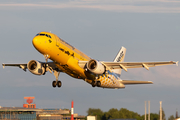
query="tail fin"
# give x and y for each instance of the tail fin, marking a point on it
(120, 58)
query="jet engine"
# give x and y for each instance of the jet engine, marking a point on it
(95, 67)
(36, 67)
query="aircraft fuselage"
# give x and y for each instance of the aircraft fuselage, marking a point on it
(66, 58)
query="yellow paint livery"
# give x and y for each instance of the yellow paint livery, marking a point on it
(66, 58)
(64, 55)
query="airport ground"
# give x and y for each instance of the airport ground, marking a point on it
(20, 113)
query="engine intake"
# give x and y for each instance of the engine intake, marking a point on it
(36, 67)
(95, 67)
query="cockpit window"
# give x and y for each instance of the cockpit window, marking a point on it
(44, 35)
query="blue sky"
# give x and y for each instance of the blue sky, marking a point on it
(149, 29)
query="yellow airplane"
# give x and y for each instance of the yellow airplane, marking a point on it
(66, 58)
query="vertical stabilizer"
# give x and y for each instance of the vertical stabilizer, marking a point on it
(120, 58)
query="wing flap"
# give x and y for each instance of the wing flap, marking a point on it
(129, 82)
(126, 65)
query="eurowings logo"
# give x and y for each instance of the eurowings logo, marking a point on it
(120, 57)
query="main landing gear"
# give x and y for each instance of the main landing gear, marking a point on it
(96, 83)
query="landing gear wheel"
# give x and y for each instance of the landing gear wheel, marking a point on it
(98, 83)
(93, 84)
(54, 84)
(59, 84)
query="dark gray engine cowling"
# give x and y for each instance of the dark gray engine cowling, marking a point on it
(36, 67)
(95, 67)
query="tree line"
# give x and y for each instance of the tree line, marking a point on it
(124, 113)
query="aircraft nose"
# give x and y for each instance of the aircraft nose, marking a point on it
(36, 42)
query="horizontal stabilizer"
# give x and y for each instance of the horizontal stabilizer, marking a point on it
(129, 82)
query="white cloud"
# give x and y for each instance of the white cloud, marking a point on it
(139, 6)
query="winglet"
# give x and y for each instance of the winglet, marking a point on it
(177, 63)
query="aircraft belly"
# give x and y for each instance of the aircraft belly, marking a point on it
(73, 65)
(71, 68)
(110, 81)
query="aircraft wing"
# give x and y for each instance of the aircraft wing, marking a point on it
(126, 65)
(24, 65)
(130, 82)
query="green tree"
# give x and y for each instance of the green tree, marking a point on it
(153, 116)
(112, 114)
(96, 112)
(171, 117)
(124, 113)
(105, 116)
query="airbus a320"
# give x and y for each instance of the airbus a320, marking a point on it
(66, 58)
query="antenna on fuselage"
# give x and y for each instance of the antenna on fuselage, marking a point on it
(46, 57)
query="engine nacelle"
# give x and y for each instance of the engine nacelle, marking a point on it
(35, 67)
(95, 67)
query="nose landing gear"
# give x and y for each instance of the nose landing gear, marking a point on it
(56, 72)
(56, 83)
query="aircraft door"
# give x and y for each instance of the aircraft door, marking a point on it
(57, 41)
